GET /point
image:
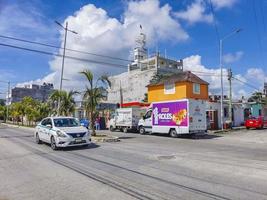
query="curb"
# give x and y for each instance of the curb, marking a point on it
(94, 139)
(17, 126)
(227, 130)
(105, 139)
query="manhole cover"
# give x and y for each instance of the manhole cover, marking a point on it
(166, 157)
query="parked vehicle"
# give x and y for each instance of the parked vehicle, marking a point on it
(61, 132)
(256, 122)
(175, 117)
(125, 119)
(85, 123)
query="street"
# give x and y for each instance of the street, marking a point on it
(231, 166)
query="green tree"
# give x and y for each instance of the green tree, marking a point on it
(95, 92)
(43, 110)
(258, 97)
(16, 112)
(65, 100)
(2, 112)
(29, 109)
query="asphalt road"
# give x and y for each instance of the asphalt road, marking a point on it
(138, 167)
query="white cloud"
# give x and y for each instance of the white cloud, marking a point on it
(101, 34)
(256, 75)
(233, 57)
(218, 4)
(23, 19)
(212, 76)
(196, 12)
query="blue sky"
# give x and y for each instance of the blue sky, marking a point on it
(184, 28)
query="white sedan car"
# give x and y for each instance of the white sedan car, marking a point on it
(62, 132)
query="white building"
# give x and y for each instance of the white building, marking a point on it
(130, 86)
(213, 109)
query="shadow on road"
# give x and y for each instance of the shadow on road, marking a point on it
(126, 137)
(90, 146)
(189, 136)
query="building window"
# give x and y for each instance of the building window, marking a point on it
(169, 88)
(196, 88)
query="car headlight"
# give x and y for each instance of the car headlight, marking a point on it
(60, 134)
(88, 134)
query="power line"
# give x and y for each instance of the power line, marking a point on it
(59, 55)
(214, 20)
(246, 83)
(57, 47)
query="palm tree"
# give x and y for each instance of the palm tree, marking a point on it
(94, 93)
(67, 102)
(44, 110)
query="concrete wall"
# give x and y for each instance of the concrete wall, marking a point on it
(255, 109)
(133, 84)
(238, 112)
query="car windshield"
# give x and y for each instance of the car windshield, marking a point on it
(66, 122)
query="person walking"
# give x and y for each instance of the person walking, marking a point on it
(97, 123)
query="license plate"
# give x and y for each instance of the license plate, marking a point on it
(78, 140)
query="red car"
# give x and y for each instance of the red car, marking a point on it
(256, 122)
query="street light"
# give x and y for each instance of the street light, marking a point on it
(221, 63)
(63, 58)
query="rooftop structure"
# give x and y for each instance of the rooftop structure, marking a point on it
(130, 86)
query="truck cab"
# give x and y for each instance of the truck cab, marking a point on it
(145, 124)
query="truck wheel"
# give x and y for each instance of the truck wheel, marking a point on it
(125, 129)
(173, 133)
(142, 130)
(247, 128)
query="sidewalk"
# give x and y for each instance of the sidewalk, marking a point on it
(101, 135)
(227, 130)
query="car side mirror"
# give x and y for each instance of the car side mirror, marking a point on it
(48, 125)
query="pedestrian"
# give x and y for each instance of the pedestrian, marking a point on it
(97, 123)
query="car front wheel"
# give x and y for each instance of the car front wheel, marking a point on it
(37, 139)
(53, 143)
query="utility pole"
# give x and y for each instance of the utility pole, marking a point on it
(222, 110)
(230, 75)
(63, 58)
(221, 68)
(7, 103)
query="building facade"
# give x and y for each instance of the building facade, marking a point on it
(130, 86)
(37, 92)
(184, 85)
(265, 89)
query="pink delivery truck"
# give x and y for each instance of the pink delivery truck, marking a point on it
(185, 116)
